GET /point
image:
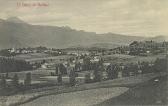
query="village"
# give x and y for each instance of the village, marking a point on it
(83, 52)
(78, 66)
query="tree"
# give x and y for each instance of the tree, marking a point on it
(5, 52)
(57, 70)
(12, 65)
(100, 63)
(7, 75)
(3, 82)
(87, 78)
(112, 71)
(72, 80)
(15, 81)
(97, 74)
(160, 65)
(27, 81)
(145, 67)
(86, 63)
(133, 68)
(59, 78)
(78, 67)
(126, 71)
(52, 73)
(109, 72)
(62, 69)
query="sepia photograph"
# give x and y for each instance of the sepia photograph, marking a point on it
(83, 53)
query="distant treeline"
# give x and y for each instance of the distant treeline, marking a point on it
(12, 65)
(5, 52)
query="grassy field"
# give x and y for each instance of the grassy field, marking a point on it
(120, 58)
(148, 58)
(79, 98)
(36, 93)
(63, 57)
(153, 93)
(31, 55)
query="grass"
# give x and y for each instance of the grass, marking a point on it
(79, 98)
(31, 55)
(35, 57)
(35, 74)
(34, 94)
(120, 58)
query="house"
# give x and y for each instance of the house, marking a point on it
(120, 74)
(147, 48)
(12, 50)
(95, 59)
(48, 65)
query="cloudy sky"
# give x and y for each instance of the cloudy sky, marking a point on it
(131, 17)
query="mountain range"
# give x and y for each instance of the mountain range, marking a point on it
(14, 32)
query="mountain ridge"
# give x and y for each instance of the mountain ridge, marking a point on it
(15, 20)
(21, 34)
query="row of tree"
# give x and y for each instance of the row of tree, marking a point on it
(129, 69)
(160, 65)
(13, 65)
(15, 85)
(7, 53)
